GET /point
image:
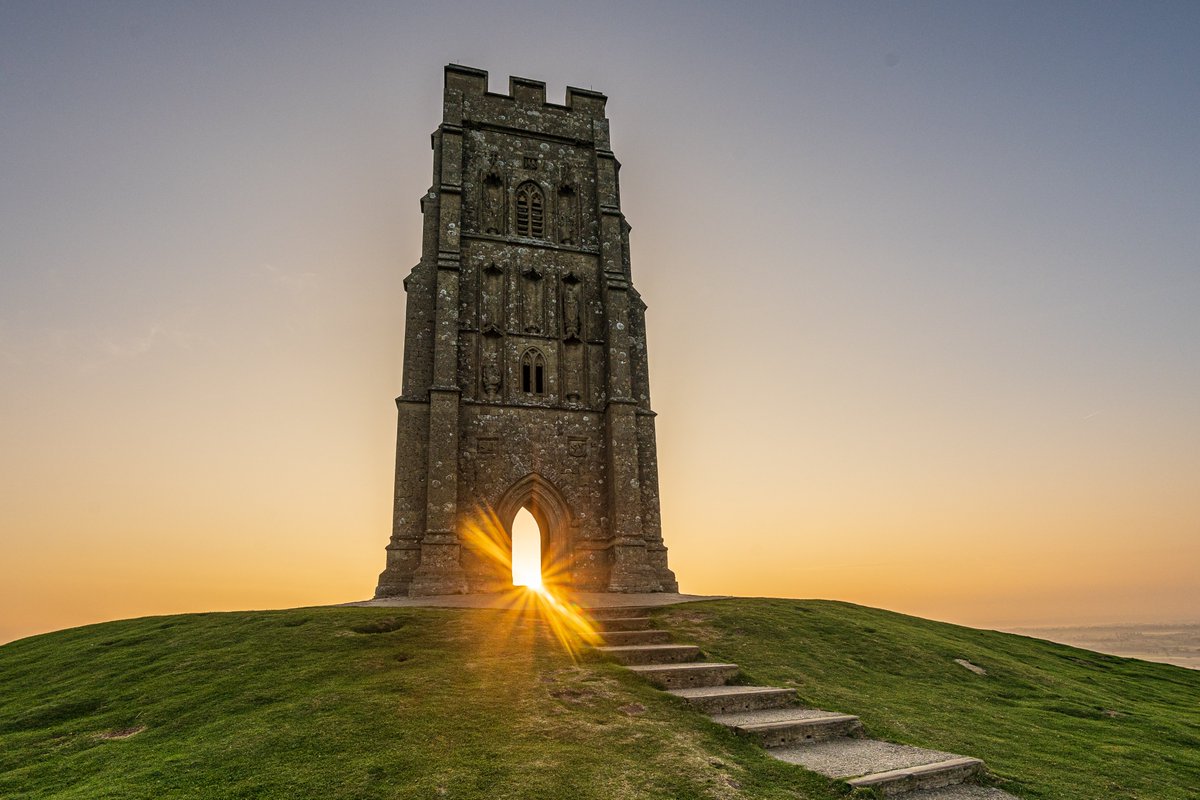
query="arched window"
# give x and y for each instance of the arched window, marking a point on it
(533, 372)
(531, 219)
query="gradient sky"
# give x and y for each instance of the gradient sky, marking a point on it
(923, 280)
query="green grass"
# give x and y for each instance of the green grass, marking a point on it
(353, 703)
(1050, 721)
(423, 703)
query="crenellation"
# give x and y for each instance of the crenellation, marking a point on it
(466, 82)
(527, 92)
(587, 101)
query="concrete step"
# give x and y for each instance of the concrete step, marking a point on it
(682, 676)
(623, 624)
(786, 733)
(963, 791)
(804, 726)
(617, 612)
(759, 716)
(892, 768)
(950, 772)
(651, 653)
(733, 699)
(636, 637)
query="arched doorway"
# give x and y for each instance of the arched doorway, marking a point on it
(526, 538)
(555, 522)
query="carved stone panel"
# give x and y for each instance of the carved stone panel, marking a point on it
(533, 301)
(573, 371)
(572, 328)
(491, 302)
(568, 215)
(491, 204)
(492, 377)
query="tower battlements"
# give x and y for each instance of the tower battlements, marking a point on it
(525, 93)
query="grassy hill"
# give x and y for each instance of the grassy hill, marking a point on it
(1051, 721)
(427, 703)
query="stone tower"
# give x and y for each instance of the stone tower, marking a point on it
(525, 378)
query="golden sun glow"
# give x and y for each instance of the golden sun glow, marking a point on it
(537, 585)
(526, 551)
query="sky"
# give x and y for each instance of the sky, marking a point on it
(922, 279)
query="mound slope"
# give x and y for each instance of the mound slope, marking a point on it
(471, 703)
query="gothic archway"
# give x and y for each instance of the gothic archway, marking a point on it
(554, 518)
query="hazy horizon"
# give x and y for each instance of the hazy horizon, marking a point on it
(922, 281)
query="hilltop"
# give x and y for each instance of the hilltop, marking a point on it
(472, 703)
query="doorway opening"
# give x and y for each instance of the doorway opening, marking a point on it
(526, 550)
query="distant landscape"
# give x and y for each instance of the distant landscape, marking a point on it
(1167, 644)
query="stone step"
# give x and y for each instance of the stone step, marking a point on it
(759, 716)
(617, 612)
(636, 637)
(734, 699)
(821, 741)
(651, 653)
(950, 772)
(804, 726)
(962, 791)
(623, 624)
(891, 768)
(682, 676)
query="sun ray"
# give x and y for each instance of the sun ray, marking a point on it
(543, 597)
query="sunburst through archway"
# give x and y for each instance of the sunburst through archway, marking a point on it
(526, 551)
(534, 588)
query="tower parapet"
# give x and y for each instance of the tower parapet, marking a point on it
(474, 82)
(467, 101)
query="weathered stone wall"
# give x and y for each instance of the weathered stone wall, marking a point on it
(525, 374)
(408, 512)
(502, 445)
(530, 296)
